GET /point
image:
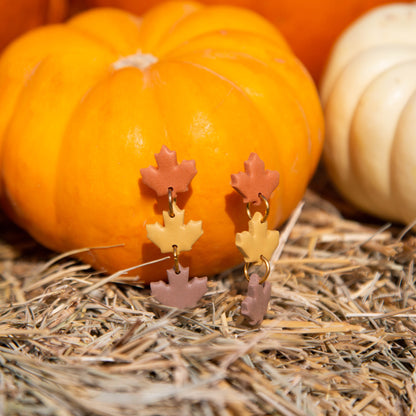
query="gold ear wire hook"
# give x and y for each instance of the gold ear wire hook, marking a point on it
(171, 200)
(267, 211)
(176, 259)
(266, 274)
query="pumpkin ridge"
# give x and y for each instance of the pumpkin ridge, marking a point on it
(402, 162)
(167, 33)
(232, 36)
(159, 20)
(290, 92)
(93, 38)
(181, 26)
(116, 29)
(407, 106)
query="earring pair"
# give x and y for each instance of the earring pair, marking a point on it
(257, 244)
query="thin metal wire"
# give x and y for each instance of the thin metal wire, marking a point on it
(266, 274)
(267, 211)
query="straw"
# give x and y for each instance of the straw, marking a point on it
(338, 338)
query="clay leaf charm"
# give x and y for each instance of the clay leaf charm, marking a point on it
(174, 231)
(255, 305)
(180, 292)
(255, 180)
(257, 241)
(169, 174)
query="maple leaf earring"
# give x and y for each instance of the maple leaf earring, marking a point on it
(170, 178)
(258, 243)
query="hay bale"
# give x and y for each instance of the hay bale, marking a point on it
(339, 336)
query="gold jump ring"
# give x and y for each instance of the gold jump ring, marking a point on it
(176, 259)
(266, 274)
(266, 213)
(171, 200)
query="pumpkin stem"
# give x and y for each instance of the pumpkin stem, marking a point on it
(137, 60)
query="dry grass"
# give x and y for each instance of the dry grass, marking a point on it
(339, 338)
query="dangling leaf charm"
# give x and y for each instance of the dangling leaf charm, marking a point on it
(257, 241)
(169, 174)
(255, 305)
(174, 231)
(255, 180)
(180, 292)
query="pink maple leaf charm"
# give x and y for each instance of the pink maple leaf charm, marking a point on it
(255, 180)
(255, 305)
(169, 174)
(180, 292)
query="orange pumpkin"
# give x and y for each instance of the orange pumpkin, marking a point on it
(83, 112)
(310, 26)
(18, 16)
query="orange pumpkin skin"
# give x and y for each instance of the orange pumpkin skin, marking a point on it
(310, 26)
(70, 161)
(18, 16)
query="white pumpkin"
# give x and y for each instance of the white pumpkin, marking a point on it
(369, 96)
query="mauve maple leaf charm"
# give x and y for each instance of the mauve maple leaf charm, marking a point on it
(255, 180)
(255, 305)
(180, 292)
(169, 174)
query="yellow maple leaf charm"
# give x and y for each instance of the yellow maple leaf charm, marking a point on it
(257, 241)
(174, 231)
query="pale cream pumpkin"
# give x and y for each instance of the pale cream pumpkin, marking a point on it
(369, 97)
